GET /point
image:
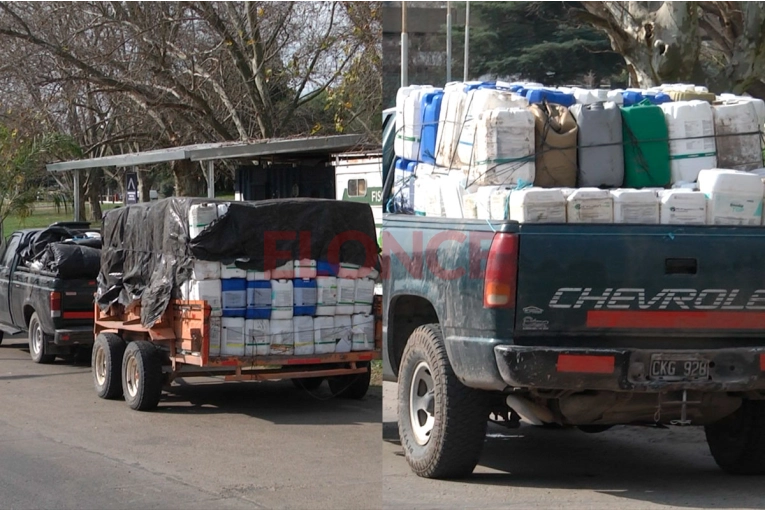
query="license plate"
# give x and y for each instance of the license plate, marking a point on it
(678, 367)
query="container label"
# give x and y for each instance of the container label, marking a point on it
(545, 213)
(347, 293)
(234, 299)
(364, 293)
(281, 299)
(735, 210)
(305, 296)
(638, 213)
(258, 297)
(327, 296)
(592, 211)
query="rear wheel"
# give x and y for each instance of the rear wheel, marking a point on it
(2, 333)
(441, 422)
(351, 386)
(594, 429)
(308, 383)
(38, 342)
(106, 362)
(142, 375)
(737, 442)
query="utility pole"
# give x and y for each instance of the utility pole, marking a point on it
(467, 40)
(448, 42)
(404, 48)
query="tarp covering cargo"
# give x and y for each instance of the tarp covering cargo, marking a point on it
(71, 260)
(147, 252)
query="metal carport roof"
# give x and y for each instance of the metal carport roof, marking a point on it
(210, 152)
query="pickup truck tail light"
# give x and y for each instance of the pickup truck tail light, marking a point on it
(55, 304)
(501, 277)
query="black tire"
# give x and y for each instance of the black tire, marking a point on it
(353, 386)
(737, 442)
(308, 383)
(452, 447)
(2, 333)
(38, 342)
(142, 387)
(106, 365)
(594, 429)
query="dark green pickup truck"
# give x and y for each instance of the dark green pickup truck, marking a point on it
(56, 312)
(573, 325)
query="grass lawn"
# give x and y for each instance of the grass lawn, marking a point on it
(46, 213)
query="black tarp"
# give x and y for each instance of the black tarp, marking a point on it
(71, 261)
(147, 253)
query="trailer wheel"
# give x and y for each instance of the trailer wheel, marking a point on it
(142, 375)
(105, 361)
(308, 383)
(38, 342)
(353, 386)
(441, 422)
(737, 442)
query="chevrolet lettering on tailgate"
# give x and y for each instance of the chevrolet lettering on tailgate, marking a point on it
(641, 299)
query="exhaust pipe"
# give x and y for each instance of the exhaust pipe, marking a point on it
(529, 411)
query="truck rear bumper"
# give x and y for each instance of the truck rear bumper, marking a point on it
(82, 335)
(734, 369)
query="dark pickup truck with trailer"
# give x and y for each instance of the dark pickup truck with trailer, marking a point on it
(571, 325)
(56, 312)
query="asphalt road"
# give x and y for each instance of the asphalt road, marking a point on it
(209, 445)
(530, 467)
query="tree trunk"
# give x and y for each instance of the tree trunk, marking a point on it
(189, 181)
(660, 40)
(94, 193)
(82, 196)
(145, 182)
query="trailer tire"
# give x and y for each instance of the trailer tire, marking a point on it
(737, 442)
(308, 383)
(354, 386)
(142, 375)
(106, 364)
(38, 342)
(442, 429)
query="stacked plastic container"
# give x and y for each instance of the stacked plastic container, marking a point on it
(205, 282)
(303, 307)
(472, 150)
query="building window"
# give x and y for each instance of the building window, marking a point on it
(357, 187)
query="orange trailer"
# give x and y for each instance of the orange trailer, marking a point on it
(137, 362)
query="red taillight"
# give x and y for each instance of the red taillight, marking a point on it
(55, 304)
(501, 272)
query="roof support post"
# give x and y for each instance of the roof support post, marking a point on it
(211, 179)
(76, 195)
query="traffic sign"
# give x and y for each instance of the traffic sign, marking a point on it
(131, 188)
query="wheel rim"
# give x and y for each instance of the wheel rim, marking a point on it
(132, 377)
(100, 366)
(421, 404)
(37, 339)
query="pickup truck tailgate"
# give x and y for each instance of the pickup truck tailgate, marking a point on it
(76, 301)
(640, 280)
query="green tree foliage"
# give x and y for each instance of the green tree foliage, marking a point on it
(22, 168)
(538, 41)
